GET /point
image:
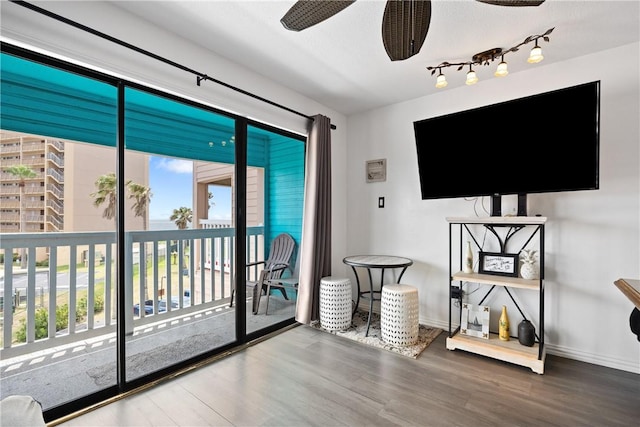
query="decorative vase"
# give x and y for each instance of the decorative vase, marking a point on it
(503, 327)
(526, 333)
(468, 259)
(528, 269)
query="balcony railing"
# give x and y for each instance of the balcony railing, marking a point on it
(10, 203)
(56, 206)
(32, 146)
(34, 204)
(9, 148)
(55, 189)
(55, 174)
(59, 161)
(11, 162)
(58, 145)
(55, 220)
(33, 161)
(159, 266)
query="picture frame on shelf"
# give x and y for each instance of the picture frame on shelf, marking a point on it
(475, 320)
(499, 264)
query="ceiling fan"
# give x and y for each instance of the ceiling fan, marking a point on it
(404, 25)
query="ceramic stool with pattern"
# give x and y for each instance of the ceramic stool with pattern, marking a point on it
(399, 318)
(335, 303)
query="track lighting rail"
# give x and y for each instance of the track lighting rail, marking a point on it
(484, 58)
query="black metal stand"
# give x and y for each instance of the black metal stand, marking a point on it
(496, 205)
(522, 204)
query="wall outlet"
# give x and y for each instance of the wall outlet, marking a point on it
(456, 292)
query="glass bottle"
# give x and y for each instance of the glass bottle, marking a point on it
(503, 328)
(468, 259)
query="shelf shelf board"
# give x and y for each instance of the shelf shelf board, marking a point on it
(508, 351)
(489, 279)
(501, 220)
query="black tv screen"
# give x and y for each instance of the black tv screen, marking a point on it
(542, 143)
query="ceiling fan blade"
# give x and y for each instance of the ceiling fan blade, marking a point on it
(306, 13)
(513, 2)
(404, 27)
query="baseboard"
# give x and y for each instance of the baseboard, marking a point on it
(596, 359)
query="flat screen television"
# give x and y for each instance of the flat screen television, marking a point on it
(543, 143)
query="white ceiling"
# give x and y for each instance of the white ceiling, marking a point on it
(342, 64)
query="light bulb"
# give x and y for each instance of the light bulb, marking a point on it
(502, 70)
(441, 81)
(536, 55)
(471, 78)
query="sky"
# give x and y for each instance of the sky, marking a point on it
(171, 184)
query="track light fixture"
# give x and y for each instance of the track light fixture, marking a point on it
(223, 142)
(484, 58)
(441, 80)
(502, 70)
(472, 78)
(535, 55)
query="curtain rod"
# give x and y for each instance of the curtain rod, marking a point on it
(199, 76)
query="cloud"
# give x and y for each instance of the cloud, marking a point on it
(175, 165)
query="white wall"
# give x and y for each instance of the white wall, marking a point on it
(592, 237)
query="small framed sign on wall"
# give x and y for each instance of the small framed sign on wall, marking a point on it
(376, 170)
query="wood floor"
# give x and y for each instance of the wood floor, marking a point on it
(305, 377)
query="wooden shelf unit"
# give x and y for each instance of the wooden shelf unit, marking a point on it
(509, 351)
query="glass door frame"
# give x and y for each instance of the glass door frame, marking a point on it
(242, 338)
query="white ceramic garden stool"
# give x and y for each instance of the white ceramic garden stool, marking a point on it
(335, 303)
(399, 318)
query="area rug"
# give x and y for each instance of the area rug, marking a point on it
(356, 332)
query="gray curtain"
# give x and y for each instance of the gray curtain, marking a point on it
(315, 247)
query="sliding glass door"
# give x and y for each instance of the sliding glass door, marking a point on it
(128, 218)
(178, 260)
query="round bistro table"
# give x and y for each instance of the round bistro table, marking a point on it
(370, 262)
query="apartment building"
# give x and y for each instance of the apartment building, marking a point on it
(42, 206)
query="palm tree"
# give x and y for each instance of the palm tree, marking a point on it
(209, 202)
(142, 196)
(106, 193)
(23, 173)
(182, 217)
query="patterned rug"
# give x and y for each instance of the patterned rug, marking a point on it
(426, 334)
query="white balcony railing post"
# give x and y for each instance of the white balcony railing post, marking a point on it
(128, 284)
